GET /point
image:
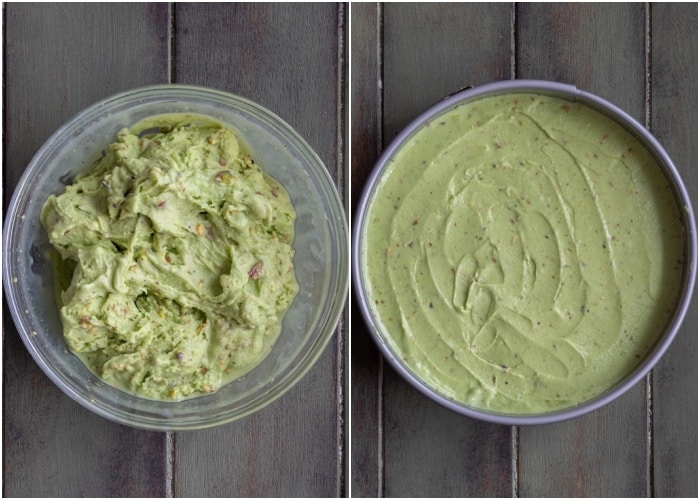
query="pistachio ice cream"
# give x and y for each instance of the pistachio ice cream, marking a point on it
(176, 254)
(522, 253)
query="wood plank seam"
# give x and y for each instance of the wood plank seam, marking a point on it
(171, 43)
(169, 464)
(513, 41)
(341, 130)
(170, 438)
(515, 431)
(648, 392)
(380, 147)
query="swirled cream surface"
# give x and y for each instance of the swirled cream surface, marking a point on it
(523, 253)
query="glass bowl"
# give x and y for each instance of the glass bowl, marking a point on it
(320, 261)
(377, 180)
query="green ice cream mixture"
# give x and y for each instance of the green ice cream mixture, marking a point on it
(177, 251)
(523, 253)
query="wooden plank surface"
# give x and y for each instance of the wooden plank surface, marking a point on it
(286, 58)
(642, 58)
(607, 451)
(430, 51)
(58, 60)
(405, 57)
(674, 120)
(366, 362)
(55, 65)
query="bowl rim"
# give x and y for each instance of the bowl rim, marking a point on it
(572, 93)
(333, 307)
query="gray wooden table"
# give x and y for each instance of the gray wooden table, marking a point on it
(291, 58)
(60, 58)
(643, 58)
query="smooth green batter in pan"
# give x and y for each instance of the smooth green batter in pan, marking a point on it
(523, 253)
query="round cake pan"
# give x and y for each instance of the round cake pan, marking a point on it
(638, 131)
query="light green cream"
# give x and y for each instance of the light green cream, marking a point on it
(177, 249)
(523, 253)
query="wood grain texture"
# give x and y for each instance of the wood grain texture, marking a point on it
(288, 449)
(365, 363)
(285, 57)
(430, 51)
(434, 452)
(59, 59)
(674, 121)
(599, 48)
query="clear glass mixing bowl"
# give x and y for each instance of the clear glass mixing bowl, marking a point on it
(321, 257)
